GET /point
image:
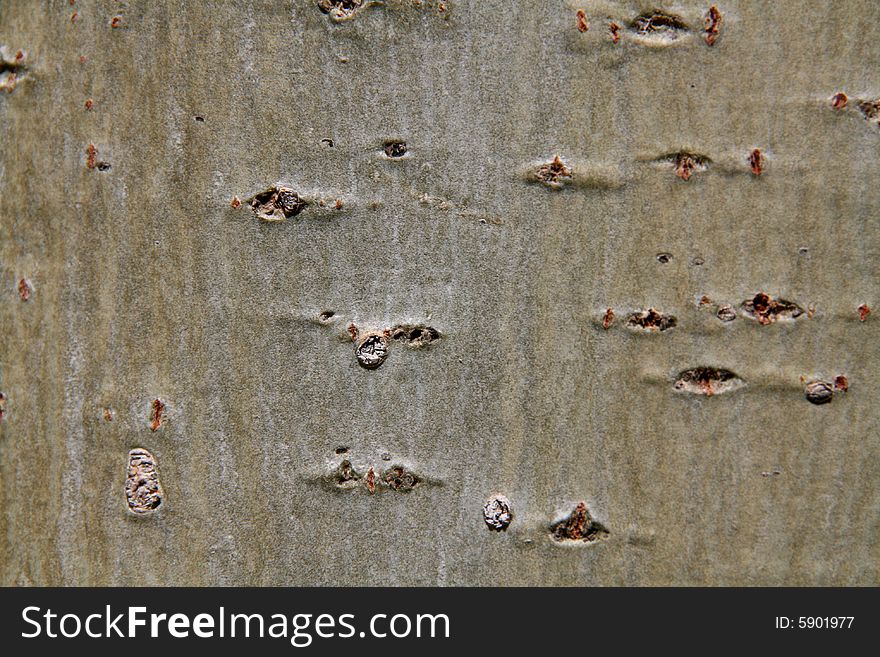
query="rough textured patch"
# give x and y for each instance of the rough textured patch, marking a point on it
(142, 488)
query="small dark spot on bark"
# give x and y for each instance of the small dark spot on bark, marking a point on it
(400, 479)
(103, 166)
(340, 9)
(496, 513)
(839, 100)
(327, 142)
(818, 392)
(327, 315)
(157, 410)
(582, 23)
(341, 450)
(372, 351)
(143, 490)
(697, 262)
(578, 526)
(713, 25)
(766, 310)
(395, 149)
(664, 258)
(199, 119)
(2, 405)
(415, 336)
(651, 320)
(277, 204)
(803, 250)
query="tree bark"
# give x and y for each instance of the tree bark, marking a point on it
(409, 209)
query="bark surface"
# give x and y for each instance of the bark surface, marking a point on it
(403, 160)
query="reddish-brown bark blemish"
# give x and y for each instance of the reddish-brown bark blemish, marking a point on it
(582, 23)
(116, 22)
(707, 381)
(756, 162)
(353, 332)
(554, 174)
(651, 320)
(235, 203)
(89, 103)
(766, 310)
(614, 28)
(863, 311)
(2, 405)
(108, 415)
(371, 481)
(685, 165)
(713, 24)
(156, 414)
(839, 100)
(608, 319)
(400, 479)
(25, 289)
(578, 526)
(841, 383)
(91, 156)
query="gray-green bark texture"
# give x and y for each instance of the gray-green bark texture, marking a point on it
(402, 158)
